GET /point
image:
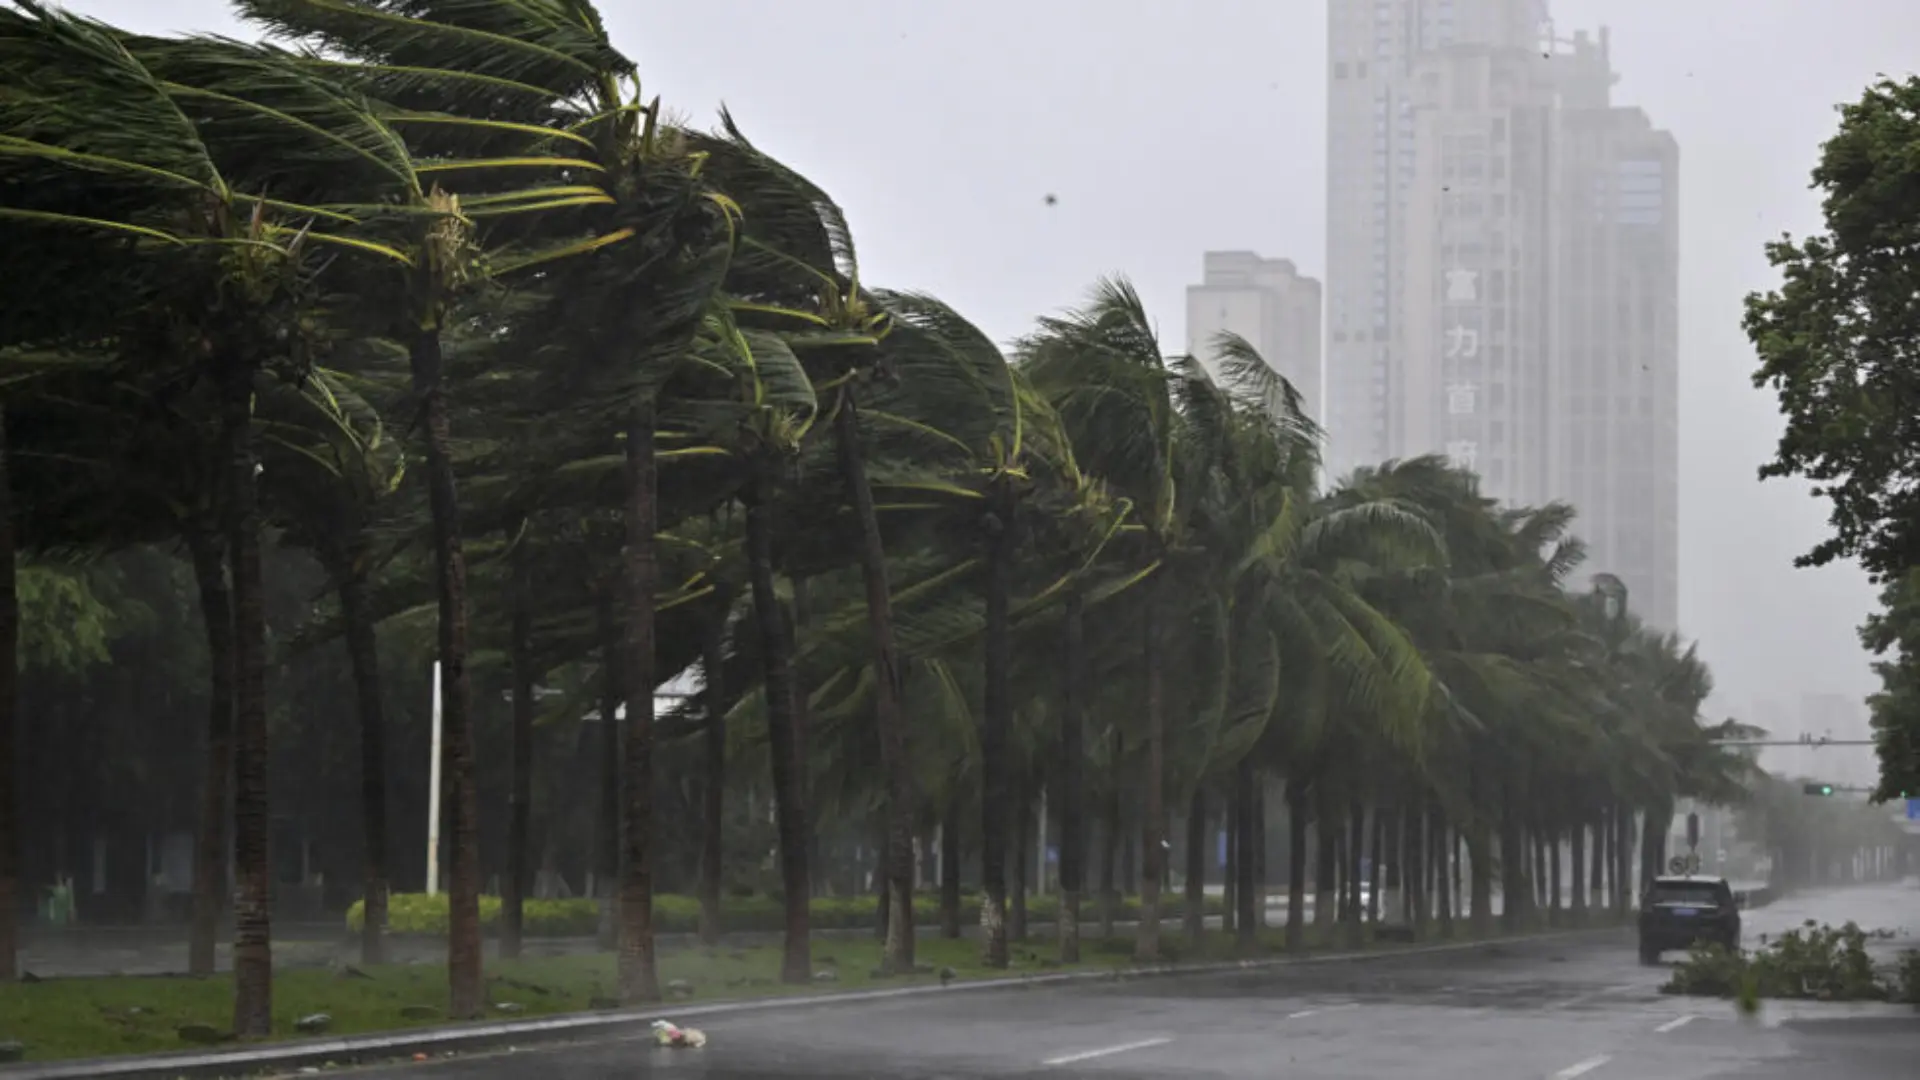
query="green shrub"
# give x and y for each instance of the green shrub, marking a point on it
(1906, 977)
(1813, 961)
(418, 913)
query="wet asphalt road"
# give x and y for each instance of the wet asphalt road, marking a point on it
(1572, 1007)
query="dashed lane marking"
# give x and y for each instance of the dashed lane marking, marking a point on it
(1676, 1022)
(1089, 1055)
(1582, 1068)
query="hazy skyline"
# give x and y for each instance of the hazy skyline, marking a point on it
(1166, 130)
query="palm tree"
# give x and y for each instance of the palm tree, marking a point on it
(166, 144)
(797, 272)
(1104, 372)
(328, 467)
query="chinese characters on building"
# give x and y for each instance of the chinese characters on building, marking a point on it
(1461, 343)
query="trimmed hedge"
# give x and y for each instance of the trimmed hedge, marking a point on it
(418, 913)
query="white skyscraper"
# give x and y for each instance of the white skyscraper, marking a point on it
(1404, 75)
(1502, 271)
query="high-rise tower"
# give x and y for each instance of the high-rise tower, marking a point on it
(1410, 103)
(1615, 416)
(1502, 271)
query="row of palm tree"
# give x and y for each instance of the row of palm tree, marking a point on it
(433, 292)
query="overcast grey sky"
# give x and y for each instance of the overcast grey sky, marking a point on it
(1168, 127)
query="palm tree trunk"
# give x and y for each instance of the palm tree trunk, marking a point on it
(1327, 899)
(513, 890)
(1479, 845)
(364, 656)
(1413, 866)
(208, 553)
(1513, 862)
(1356, 873)
(713, 669)
(1258, 855)
(1622, 859)
(1230, 857)
(1246, 921)
(1555, 906)
(882, 913)
(613, 694)
(897, 954)
(1152, 854)
(950, 870)
(460, 805)
(9, 754)
(1376, 870)
(1022, 860)
(1443, 875)
(1653, 842)
(1597, 862)
(996, 722)
(1195, 915)
(783, 735)
(1110, 838)
(1297, 815)
(639, 979)
(1578, 867)
(252, 815)
(1073, 813)
(1536, 839)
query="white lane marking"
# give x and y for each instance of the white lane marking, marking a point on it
(1089, 1055)
(1584, 998)
(1582, 1068)
(1677, 1022)
(1303, 1013)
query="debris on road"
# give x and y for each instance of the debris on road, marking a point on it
(316, 1024)
(667, 1033)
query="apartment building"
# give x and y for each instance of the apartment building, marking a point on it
(1502, 270)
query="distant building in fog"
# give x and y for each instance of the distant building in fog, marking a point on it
(1614, 415)
(1266, 301)
(1502, 271)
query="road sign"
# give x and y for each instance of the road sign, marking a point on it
(1913, 809)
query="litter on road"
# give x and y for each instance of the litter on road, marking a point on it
(667, 1033)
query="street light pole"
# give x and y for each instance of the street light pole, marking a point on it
(433, 793)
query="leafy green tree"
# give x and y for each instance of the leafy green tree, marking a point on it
(1837, 341)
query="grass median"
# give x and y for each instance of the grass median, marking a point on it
(108, 1015)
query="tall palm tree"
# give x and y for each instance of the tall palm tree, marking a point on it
(329, 468)
(797, 273)
(169, 144)
(539, 85)
(1103, 369)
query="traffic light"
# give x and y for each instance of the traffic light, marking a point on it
(1819, 789)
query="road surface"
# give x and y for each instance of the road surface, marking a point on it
(1559, 1009)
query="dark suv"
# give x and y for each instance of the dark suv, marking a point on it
(1676, 912)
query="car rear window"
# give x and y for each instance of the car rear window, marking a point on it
(1685, 892)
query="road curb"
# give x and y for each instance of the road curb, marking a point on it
(580, 1027)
